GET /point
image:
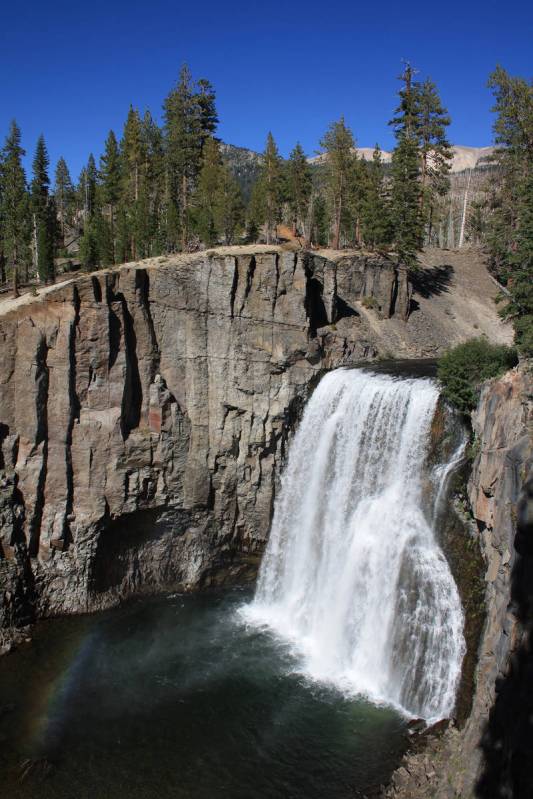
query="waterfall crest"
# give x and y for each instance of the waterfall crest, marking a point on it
(353, 575)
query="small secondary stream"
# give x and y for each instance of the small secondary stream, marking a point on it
(353, 577)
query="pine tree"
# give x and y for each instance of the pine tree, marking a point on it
(510, 238)
(190, 118)
(14, 208)
(155, 182)
(208, 187)
(89, 245)
(520, 306)
(219, 208)
(133, 154)
(354, 208)
(338, 145)
(320, 224)
(405, 200)
(42, 216)
(299, 188)
(91, 186)
(96, 244)
(110, 181)
(375, 221)
(64, 197)
(206, 99)
(133, 193)
(229, 208)
(435, 149)
(267, 193)
(406, 215)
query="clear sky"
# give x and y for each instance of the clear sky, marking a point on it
(71, 69)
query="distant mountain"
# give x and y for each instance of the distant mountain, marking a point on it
(245, 164)
(463, 157)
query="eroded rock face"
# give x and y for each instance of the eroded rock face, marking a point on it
(144, 414)
(490, 755)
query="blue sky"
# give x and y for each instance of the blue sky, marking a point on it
(70, 70)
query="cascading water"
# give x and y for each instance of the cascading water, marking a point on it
(353, 576)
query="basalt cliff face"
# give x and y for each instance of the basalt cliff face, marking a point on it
(144, 413)
(144, 417)
(488, 754)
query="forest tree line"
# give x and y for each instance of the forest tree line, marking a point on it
(167, 188)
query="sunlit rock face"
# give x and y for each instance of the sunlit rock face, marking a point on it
(144, 413)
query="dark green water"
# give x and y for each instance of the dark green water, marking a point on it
(172, 697)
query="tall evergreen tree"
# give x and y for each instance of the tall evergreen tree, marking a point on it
(319, 221)
(110, 181)
(219, 207)
(299, 188)
(133, 194)
(375, 221)
(43, 218)
(155, 182)
(406, 217)
(91, 185)
(64, 197)
(267, 194)
(190, 117)
(206, 100)
(435, 150)
(352, 217)
(208, 186)
(14, 209)
(511, 227)
(230, 206)
(95, 244)
(338, 144)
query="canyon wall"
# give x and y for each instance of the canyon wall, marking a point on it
(144, 413)
(144, 416)
(489, 754)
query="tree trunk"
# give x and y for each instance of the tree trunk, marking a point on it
(35, 248)
(308, 227)
(450, 240)
(112, 230)
(358, 240)
(184, 232)
(465, 204)
(337, 232)
(15, 281)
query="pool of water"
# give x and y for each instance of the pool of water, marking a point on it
(175, 697)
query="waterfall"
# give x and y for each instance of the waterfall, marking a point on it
(353, 577)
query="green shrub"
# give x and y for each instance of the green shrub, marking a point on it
(462, 369)
(369, 302)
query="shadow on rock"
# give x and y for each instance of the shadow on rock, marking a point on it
(431, 282)
(507, 742)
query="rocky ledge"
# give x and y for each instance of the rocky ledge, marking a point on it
(144, 413)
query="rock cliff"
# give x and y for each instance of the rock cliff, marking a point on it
(144, 416)
(489, 756)
(144, 413)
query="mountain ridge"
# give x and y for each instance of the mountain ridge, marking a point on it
(464, 156)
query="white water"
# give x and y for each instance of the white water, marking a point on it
(353, 576)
